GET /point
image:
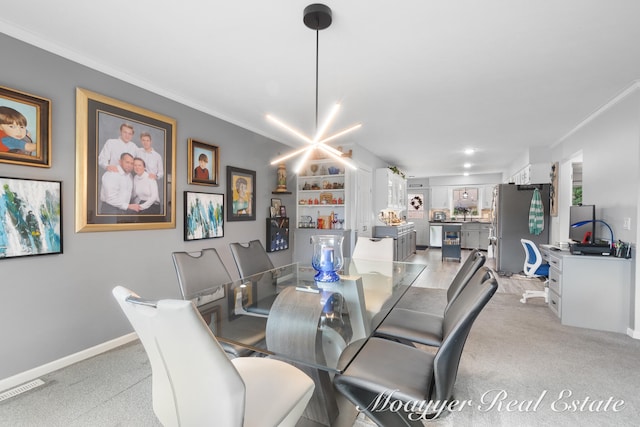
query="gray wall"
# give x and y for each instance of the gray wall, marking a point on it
(609, 143)
(56, 305)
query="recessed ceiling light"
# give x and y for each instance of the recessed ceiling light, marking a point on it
(467, 165)
(466, 174)
(469, 151)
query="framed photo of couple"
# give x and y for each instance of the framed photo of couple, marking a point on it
(125, 158)
(203, 163)
(25, 129)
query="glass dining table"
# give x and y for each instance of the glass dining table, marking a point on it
(319, 327)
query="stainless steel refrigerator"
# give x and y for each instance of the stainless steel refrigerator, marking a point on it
(512, 224)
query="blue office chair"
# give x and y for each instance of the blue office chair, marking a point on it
(533, 267)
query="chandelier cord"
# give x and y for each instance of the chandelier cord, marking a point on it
(317, 56)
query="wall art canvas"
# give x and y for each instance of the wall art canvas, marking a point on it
(30, 217)
(204, 215)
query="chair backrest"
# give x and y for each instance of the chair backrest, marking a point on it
(373, 249)
(532, 257)
(456, 326)
(250, 258)
(193, 381)
(474, 261)
(199, 271)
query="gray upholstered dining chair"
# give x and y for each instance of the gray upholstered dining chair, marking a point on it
(252, 259)
(412, 326)
(414, 375)
(199, 273)
(194, 383)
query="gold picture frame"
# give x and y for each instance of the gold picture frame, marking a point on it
(203, 163)
(103, 162)
(32, 117)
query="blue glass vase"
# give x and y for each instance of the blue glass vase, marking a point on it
(327, 257)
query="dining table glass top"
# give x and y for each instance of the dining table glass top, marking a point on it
(285, 313)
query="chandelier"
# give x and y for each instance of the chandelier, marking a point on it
(317, 17)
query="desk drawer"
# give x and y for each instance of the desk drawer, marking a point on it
(555, 303)
(554, 261)
(555, 280)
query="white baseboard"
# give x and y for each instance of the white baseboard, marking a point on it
(633, 333)
(47, 368)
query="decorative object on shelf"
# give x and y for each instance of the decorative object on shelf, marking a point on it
(327, 257)
(203, 163)
(282, 179)
(103, 125)
(203, 216)
(277, 234)
(31, 212)
(275, 207)
(29, 142)
(241, 188)
(397, 171)
(317, 17)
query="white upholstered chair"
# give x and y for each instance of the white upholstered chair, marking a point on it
(373, 249)
(193, 381)
(199, 273)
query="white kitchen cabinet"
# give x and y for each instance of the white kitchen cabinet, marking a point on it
(390, 191)
(440, 198)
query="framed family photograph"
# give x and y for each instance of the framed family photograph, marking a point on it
(203, 215)
(203, 163)
(30, 217)
(241, 201)
(125, 158)
(25, 129)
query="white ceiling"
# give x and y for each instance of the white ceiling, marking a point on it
(426, 78)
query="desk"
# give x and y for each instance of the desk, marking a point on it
(317, 327)
(589, 291)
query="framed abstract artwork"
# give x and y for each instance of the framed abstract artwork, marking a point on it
(241, 188)
(203, 215)
(203, 163)
(30, 217)
(125, 161)
(25, 129)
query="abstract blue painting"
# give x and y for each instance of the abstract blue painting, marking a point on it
(203, 215)
(30, 217)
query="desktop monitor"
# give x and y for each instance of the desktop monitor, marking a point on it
(583, 233)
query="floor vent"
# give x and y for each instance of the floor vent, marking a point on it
(20, 389)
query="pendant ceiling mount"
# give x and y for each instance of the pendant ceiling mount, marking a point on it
(316, 17)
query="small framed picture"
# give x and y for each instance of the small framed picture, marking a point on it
(241, 188)
(275, 205)
(203, 215)
(25, 129)
(203, 163)
(283, 211)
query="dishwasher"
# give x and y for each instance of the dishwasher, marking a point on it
(435, 236)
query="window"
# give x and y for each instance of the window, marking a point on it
(465, 201)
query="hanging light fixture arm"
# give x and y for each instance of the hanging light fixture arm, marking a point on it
(317, 17)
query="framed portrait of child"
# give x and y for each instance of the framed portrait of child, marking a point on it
(204, 163)
(25, 128)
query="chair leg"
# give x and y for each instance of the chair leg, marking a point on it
(535, 294)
